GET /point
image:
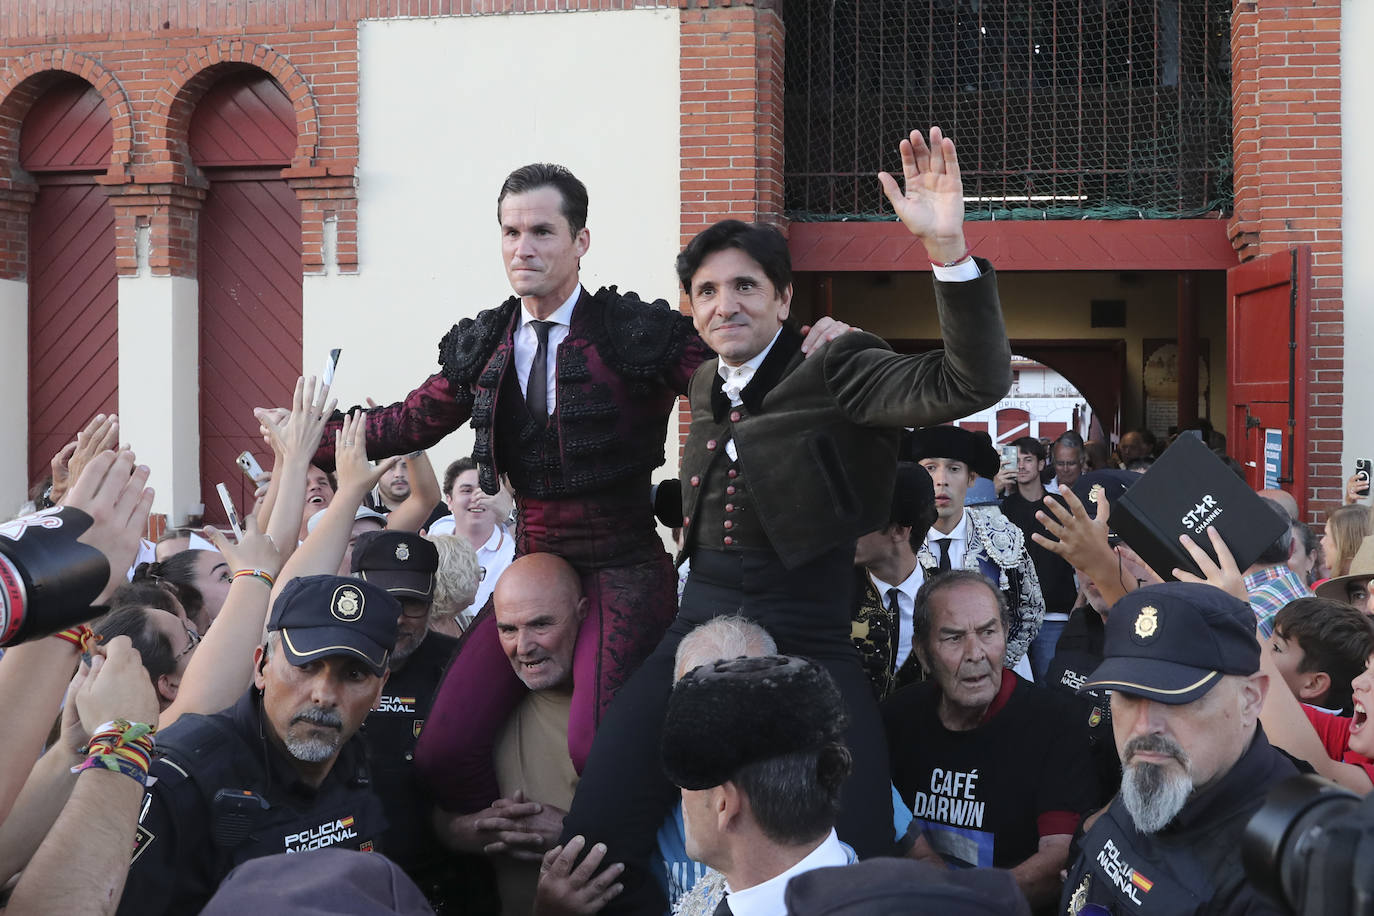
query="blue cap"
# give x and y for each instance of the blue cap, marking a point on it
(1172, 643)
(322, 616)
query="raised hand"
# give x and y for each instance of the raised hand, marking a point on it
(356, 474)
(297, 433)
(931, 203)
(1223, 574)
(256, 551)
(1082, 541)
(100, 435)
(114, 494)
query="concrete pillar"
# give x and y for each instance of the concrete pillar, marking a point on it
(14, 406)
(159, 386)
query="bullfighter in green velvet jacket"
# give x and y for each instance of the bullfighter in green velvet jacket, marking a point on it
(788, 460)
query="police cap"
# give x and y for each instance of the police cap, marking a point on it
(1174, 642)
(322, 616)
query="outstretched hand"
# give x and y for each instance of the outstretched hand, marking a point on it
(1082, 541)
(1223, 573)
(100, 435)
(931, 203)
(255, 551)
(355, 473)
(297, 433)
(114, 494)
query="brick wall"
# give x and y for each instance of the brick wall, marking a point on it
(731, 59)
(1286, 87)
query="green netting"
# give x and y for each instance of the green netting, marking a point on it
(1061, 109)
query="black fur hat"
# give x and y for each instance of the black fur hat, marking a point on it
(730, 713)
(956, 444)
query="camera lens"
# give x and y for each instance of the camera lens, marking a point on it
(1281, 838)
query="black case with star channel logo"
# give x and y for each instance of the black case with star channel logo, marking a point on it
(1186, 491)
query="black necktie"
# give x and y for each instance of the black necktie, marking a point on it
(943, 544)
(537, 391)
(892, 604)
(723, 908)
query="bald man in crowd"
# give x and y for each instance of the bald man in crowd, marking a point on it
(539, 606)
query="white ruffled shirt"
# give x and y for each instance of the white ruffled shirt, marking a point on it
(734, 378)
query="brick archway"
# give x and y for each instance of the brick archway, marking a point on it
(21, 84)
(29, 77)
(170, 117)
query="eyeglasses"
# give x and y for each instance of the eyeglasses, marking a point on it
(414, 609)
(192, 640)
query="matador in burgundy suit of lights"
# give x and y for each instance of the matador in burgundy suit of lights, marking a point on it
(583, 491)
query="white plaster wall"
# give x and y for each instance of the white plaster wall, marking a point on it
(14, 406)
(1357, 226)
(159, 386)
(448, 107)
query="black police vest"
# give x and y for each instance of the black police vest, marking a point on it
(250, 818)
(1113, 872)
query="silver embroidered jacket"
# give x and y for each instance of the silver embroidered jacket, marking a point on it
(997, 549)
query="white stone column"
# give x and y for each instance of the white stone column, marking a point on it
(14, 406)
(159, 386)
(1357, 229)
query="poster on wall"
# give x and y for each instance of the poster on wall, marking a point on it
(1159, 381)
(1273, 457)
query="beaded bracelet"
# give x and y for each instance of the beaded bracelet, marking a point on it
(81, 636)
(267, 578)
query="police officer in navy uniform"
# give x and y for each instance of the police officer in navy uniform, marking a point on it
(280, 770)
(1182, 663)
(404, 564)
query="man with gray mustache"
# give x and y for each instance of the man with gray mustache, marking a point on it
(1183, 665)
(280, 771)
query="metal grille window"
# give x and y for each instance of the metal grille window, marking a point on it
(1060, 108)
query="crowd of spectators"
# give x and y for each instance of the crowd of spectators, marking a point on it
(404, 691)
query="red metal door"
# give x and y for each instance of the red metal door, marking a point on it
(65, 142)
(250, 321)
(249, 267)
(1266, 363)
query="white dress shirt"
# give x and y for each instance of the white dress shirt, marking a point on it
(734, 378)
(906, 608)
(493, 557)
(958, 542)
(766, 899)
(527, 342)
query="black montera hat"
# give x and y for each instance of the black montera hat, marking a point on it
(730, 713)
(956, 444)
(322, 616)
(1174, 642)
(402, 562)
(913, 496)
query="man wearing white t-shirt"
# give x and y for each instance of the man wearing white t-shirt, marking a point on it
(475, 518)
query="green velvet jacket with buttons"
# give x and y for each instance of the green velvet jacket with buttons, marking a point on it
(817, 437)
